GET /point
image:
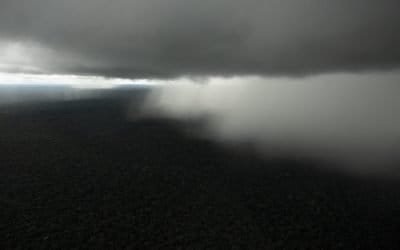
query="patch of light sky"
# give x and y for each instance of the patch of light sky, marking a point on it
(76, 81)
(24, 64)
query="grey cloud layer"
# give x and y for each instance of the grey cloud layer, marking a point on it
(168, 38)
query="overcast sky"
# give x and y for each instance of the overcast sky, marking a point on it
(171, 38)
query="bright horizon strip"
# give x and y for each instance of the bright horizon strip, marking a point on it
(75, 81)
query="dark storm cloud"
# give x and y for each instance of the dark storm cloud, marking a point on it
(168, 38)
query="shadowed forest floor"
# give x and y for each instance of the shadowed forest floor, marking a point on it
(79, 175)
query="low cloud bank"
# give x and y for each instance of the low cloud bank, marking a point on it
(351, 120)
